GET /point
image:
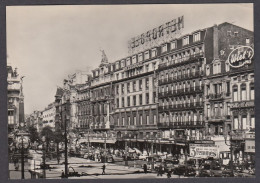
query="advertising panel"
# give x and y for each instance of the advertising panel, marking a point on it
(203, 151)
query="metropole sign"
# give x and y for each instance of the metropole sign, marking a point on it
(156, 36)
(241, 56)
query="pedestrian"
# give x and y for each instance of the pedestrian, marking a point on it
(62, 174)
(145, 168)
(169, 174)
(159, 170)
(103, 168)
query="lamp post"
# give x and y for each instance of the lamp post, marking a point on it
(105, 147)
(44, 156)
(186, 148)
(66, 148)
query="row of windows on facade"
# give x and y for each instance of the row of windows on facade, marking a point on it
(181, 85)
(187, 99)
(183, 56)
(98, 108)
(174, 73)
(134, 86)
(217, 110)
(218, 88)
(243, 92)
(244, 123)
(146, 55)
(137, 120)
(181, 117)
(135, 100)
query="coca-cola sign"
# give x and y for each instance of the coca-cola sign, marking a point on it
(240, 56)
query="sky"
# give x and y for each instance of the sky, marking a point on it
(47, 43)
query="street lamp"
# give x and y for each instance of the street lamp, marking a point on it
(186, 148)
(232, 147)
(22, 146)
(44, 156)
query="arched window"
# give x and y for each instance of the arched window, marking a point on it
(243, 92)
(235, 94)
(227, 66)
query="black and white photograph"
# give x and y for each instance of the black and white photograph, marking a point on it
(136, 91)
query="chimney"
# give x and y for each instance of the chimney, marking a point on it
(215, 42)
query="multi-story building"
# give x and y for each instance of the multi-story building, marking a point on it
(13, 95)
(135, 112)
(48, 116)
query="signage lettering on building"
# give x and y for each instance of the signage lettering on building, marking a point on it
(241, 56)
(203, 150)
(157, 35)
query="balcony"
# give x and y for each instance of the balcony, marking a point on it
(179, 92)
(181, 61)
(177, 107)
(217, 96)
(243, 104)
(177, 78)
(178, 125)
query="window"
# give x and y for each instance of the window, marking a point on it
(228, 108)
(128, 120)
(117, 102)
(117, 65)
(140, 119)
(117, 76)
(140, 84)
(154, 119)
(228, 88)
(147, 119)
(236, 125)
(128, 87)
(146, 55)
(134, 86)
(134, 100)
(252, 91)
(134, 60)
(243, 92)
(252, 124)
(173, 45)
(147, 83)
(123, 102)
(235, 97)
(235, 34)
(244, 122)
(122, 63)
(185, 41)
(140, 57)
(196, 37)
(247, 41)
(140, 99)
(154, 96)
(117, 89)
(208, 110)
(123, 120)
(154, 53)
(128, 61)
(147, 98)
(123, 88)
(134, 120)
(128, 101)
(164, 48)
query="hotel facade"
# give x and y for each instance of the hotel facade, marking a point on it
(195, 90)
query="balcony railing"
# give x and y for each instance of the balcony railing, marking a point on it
(243, 104)
(181, 61)
(180, 77)
(183, 91)
(184, 124)
(186, 106)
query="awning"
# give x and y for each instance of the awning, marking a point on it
(108, 141)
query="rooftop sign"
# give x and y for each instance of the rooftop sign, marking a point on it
(156, 36)
(240, 56)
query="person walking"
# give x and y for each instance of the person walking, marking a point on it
(169, 174)
(159, 170)
(62, 174)
(145, 168)
(103, 168)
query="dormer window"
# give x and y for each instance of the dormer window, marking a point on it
(117, 65)
(164, 48)
(185, 41)
(128, 61)
(122, 63)
(154, 52)
(134, 60)
(140, 57)
(146, 55)
(173, 45)
(196, 37)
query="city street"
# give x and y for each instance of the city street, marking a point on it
(89, 169)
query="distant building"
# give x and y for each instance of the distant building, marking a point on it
(48, 116)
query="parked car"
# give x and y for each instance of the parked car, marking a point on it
(182, 170)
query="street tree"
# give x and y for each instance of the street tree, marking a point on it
(49, 136)
(33, 134)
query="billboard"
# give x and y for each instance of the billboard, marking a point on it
(203, 150)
